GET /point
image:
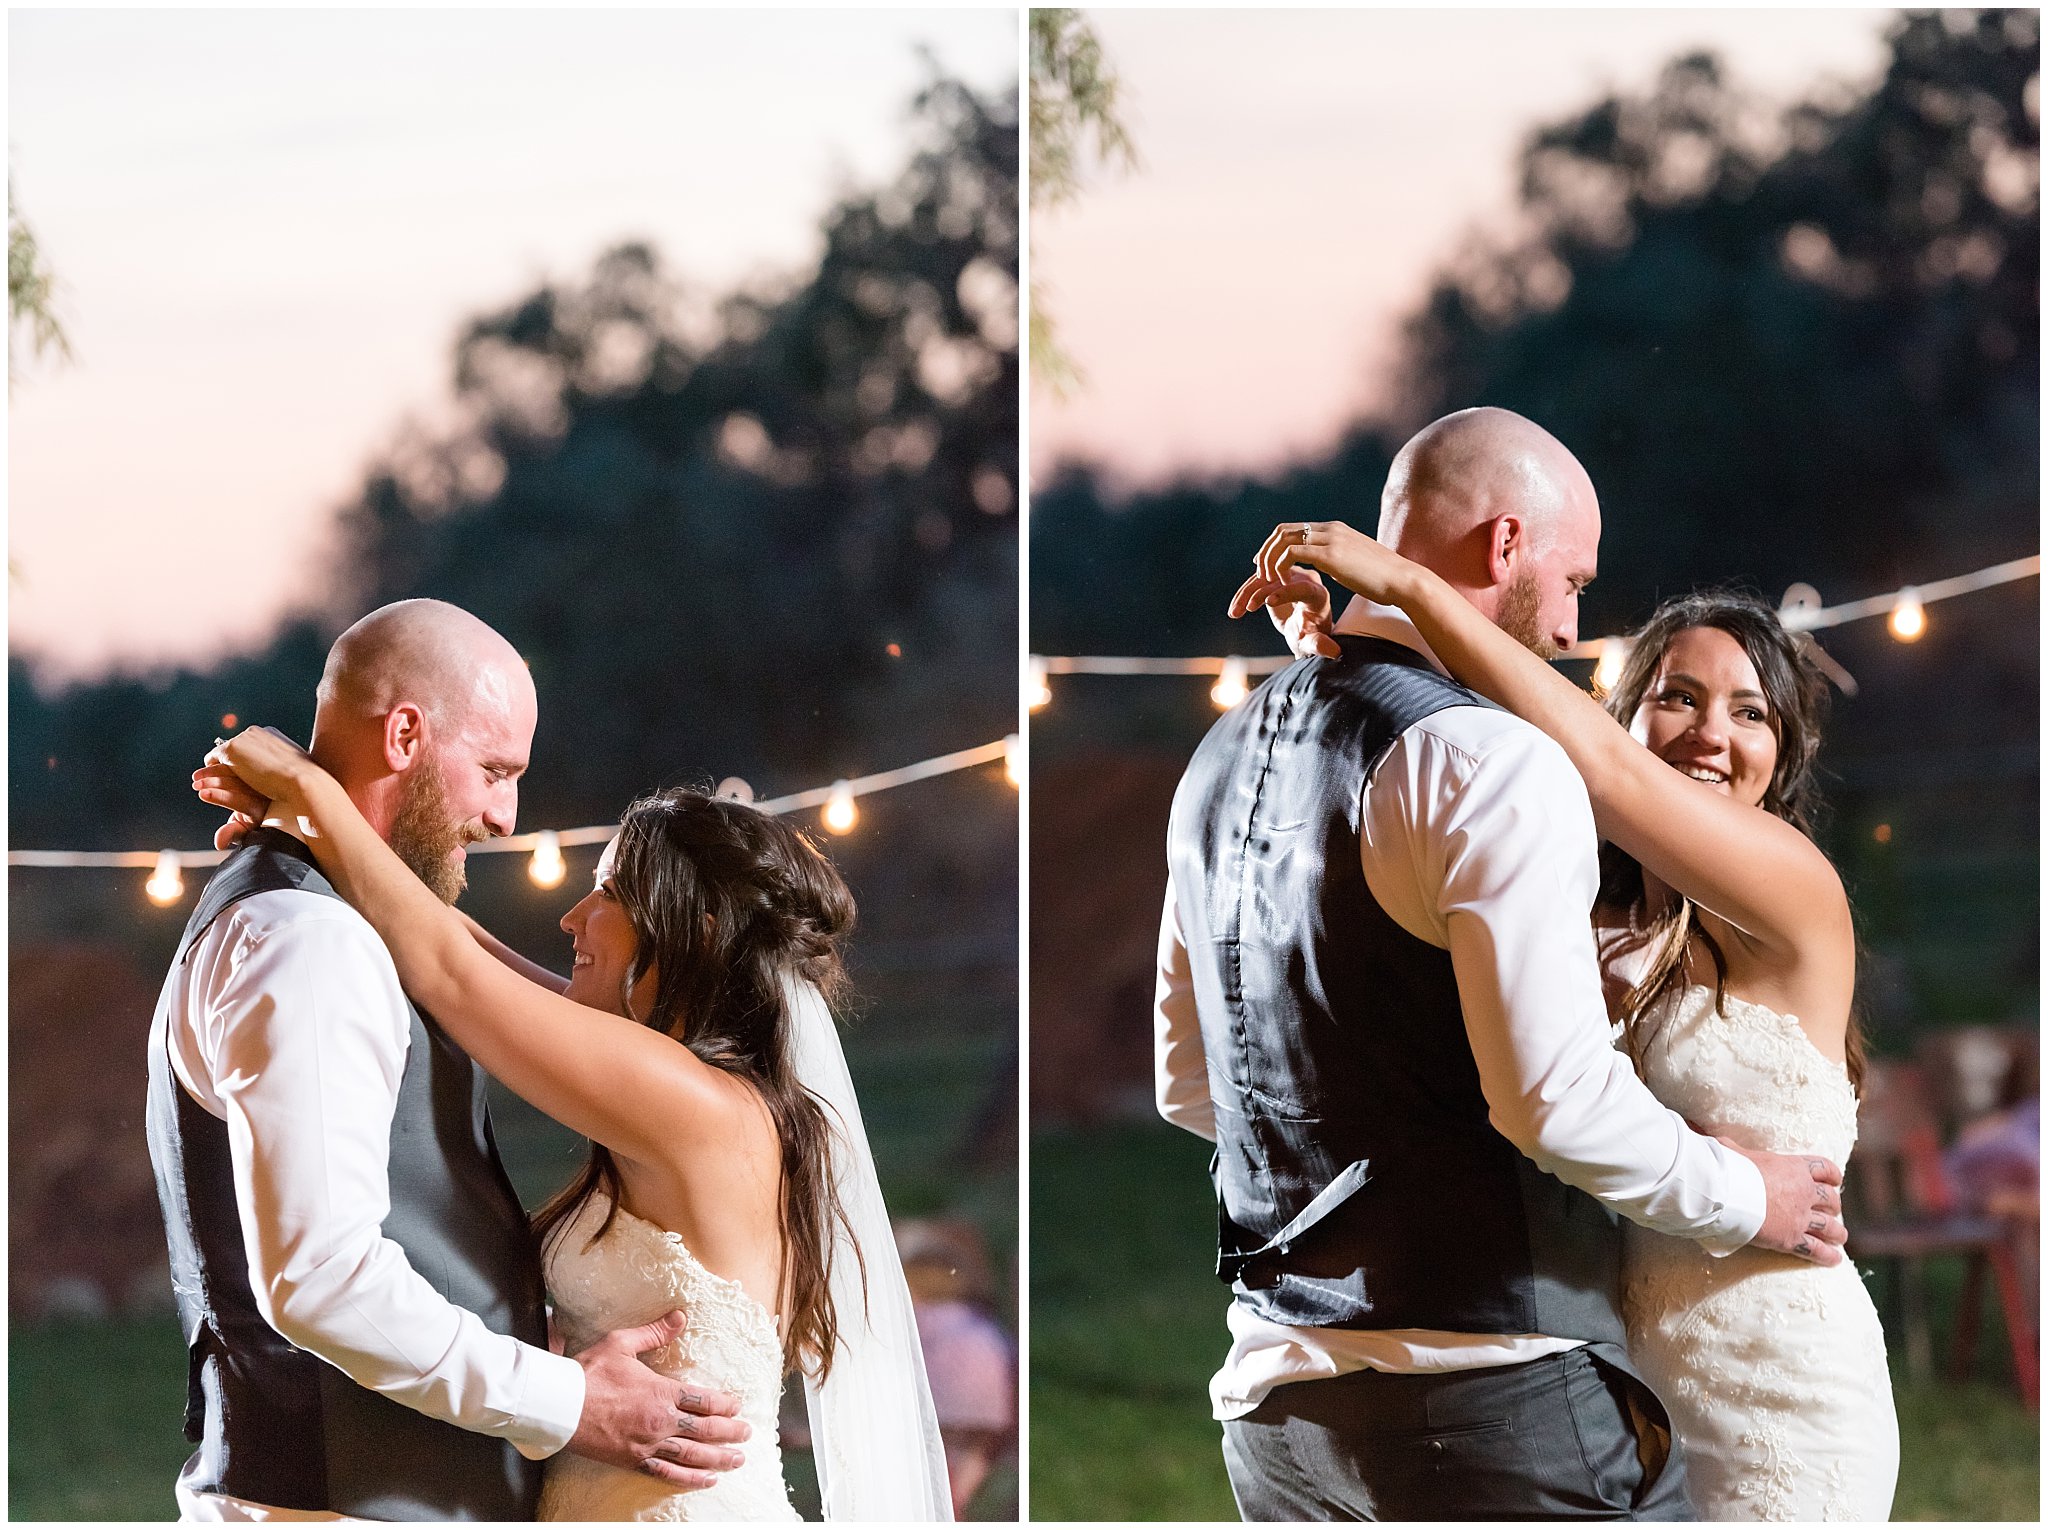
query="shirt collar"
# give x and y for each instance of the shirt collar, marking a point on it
(299, 829)
(1368, 618)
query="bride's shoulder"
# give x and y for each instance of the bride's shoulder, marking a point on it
(710, 1107)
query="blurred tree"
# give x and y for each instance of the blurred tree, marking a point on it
(1074, 96)
(1757, 335)
(781, 545)
(30, 292)
(1749, 329)
(1793, 347)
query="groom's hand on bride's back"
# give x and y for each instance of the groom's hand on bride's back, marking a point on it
(1802, 1204)
(640, 1420)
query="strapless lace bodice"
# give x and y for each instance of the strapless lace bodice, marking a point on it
(1773, 1369)
(1751, 1074)
(633, 1275)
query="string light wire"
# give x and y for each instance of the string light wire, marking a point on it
(1800, 612)
(545, 845)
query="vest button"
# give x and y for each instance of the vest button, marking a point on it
(1436, 1447)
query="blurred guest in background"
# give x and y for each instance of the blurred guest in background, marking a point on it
(2002, 1152)
(971, 1361)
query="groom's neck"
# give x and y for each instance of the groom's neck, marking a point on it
(373, 788)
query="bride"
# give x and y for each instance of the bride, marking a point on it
(729, 1174)
(1728, 957)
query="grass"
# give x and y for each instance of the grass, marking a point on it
(1966, 1454)
(1127, 1326)
(79, 1394)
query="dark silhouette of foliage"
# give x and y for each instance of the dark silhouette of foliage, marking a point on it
(704, 537)
(1747, 344)
(1804, 353)
(1801, 349)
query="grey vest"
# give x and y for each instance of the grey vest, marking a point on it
(276, 1424)
(1359, 1183)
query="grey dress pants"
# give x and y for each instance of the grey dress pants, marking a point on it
(1570, 1436)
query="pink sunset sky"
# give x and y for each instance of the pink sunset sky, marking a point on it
(268, 227)
(1235, 302)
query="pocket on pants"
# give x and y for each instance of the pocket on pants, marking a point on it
(1466, 1471)
(1610, 1412)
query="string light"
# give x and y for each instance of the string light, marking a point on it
(1041, 688)
(165, 885)
(1801, 613)
(1909, 617)
(1613, 655)
(545, 846)
(547, 867)
(1232, 686)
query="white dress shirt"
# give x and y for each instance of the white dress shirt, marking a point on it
(1478, 839)
(288, 1023)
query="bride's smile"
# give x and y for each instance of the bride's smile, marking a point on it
(605, 946)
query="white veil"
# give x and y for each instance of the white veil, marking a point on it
(874, 1432)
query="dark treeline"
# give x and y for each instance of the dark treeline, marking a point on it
(1816, 360)
(1801, 348)
(781, 544)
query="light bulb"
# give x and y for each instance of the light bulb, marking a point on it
(1013, 760)
(547, 868)
(1231, 686)
(840, 813)
(1909, 617)
(1613, 654)
(1040, 691)
(165, 885)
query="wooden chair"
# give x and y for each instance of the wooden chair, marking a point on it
(1972, 1072)
(1903, 1210)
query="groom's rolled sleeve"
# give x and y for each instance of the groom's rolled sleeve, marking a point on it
(307, 1037)
(1502, 830)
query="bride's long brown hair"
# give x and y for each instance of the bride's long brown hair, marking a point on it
(1796, 693)
(724, 900)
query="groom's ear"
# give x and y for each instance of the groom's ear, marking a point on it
(405, 736)
(1507, 539)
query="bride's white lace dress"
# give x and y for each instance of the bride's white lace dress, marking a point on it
(1773, 1369)
(633, 1275)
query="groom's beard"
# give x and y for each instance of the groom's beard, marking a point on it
(1519, 618)
(425, 839)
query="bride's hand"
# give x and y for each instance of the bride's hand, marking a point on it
(255, 775)
(220, 786)
(1298, 602)
(1350, 557)
(1300, 607)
